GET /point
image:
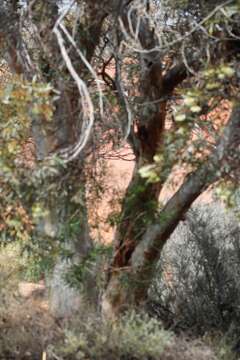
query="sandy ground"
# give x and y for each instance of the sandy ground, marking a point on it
(118, 176)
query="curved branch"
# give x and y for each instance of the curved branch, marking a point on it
(148, 251)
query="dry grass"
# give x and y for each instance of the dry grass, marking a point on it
(26, 326)
(28, 330)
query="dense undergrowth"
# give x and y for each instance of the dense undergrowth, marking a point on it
(198, 278)
(193, 311)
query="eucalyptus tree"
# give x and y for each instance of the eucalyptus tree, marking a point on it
(155, 74)
(188, 72)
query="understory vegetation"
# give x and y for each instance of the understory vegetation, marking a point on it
(97, 263)
(192, 312)
(197, 281)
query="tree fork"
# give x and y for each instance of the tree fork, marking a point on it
(128, 285)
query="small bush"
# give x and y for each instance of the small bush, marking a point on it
(199, 274)
(222, 345)
(135, 336)
(12, 266)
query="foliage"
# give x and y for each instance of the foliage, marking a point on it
(156, 74)
(26, 326)
(12, 266)
(135, 336)
(199, 282)
(222, 344)
(20, 100)
(93, 263)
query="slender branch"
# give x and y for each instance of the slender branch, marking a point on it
(131, 43)
(87, 105)
(88, 65)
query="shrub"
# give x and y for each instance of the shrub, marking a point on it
(134, 337)
(198, 279)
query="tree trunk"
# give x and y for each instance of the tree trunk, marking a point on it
(64, 220)
(73, 231)
(130, 278)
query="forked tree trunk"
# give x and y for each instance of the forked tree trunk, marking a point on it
(131, 276)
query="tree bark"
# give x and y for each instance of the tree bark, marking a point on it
(65, 219)
(129, 281)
